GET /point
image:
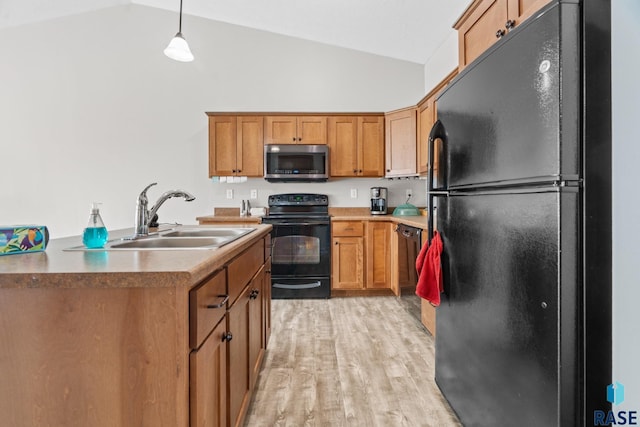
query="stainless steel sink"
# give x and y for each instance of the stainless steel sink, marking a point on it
(186, 238)
(171, 243)
(209, 232)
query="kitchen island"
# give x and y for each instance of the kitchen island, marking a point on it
(114, 338)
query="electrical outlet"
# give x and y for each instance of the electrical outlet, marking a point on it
(354, 193)
(254, 194)
(229, 193)
(408, 193)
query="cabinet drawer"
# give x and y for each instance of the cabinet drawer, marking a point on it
(207, 306)
(347, 228)
(243, 268)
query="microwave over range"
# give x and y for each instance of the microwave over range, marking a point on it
(296, 162)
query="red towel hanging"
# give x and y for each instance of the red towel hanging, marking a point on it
(429, 271)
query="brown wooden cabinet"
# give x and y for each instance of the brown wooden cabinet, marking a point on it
(224, 365)
(238, 319)
(256, 321)
(486, 21)
(347, 253)
(427, 116)
(245, 282)
(246, 351)
(208, 380)
(136, 353)
(236, 146)
(357, 146)
(361, 255)
(378, 254)
(426, 119)
(400, 143)
(266, 302)
(295, 130)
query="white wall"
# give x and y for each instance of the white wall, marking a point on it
(442, 62)
(339, 191)
(92, 110)
(625, 35)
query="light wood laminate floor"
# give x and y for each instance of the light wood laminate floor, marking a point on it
(361, 361)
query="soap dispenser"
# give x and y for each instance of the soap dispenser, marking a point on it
(95, 235)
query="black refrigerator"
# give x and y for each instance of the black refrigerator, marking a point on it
(521, 306)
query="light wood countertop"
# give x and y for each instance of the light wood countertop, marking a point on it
(337, 214)
(363, 214)
(57, 268)
(418, 221)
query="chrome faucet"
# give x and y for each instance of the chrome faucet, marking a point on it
(144, 217)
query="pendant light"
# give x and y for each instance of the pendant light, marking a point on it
(178, 48)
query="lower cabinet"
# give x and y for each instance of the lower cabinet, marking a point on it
(378, 254)
(208, 380)
(238, 319)
(347, 255)
(153, 355)
(360, 255)
(256, 307)
(224, 366)
(266, 303)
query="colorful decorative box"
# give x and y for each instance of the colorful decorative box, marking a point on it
(23, 239)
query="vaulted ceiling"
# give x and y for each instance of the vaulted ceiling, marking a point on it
(410, 30)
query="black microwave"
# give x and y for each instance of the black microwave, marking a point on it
(296, 162)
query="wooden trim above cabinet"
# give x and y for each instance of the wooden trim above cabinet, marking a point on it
(270, 113)
(467, 13)
(438, 88)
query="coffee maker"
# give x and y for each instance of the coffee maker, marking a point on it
(378, 201)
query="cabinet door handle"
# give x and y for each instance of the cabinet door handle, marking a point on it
(510, 24)
(336, 242)
(500, 34)
(355, 171)
(254, 294)
(226, 336)
(221, 304)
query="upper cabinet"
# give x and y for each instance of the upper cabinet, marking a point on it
(236, 146)
(426, 119)
(427, 116)
(295, 130)
(400, 143)
(486, 21)
(357, 146)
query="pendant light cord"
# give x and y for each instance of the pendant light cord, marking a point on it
(180, 20)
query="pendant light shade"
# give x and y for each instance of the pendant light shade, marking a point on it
(178, 48)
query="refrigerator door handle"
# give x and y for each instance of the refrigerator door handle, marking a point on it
(437, 131)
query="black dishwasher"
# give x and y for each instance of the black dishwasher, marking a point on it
(409, 244)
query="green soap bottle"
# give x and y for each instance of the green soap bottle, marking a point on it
(96, 234)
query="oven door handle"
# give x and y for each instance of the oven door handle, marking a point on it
(300, 286)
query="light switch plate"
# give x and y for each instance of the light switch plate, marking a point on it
(229, 193)
(254, 194)
(354, 193)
